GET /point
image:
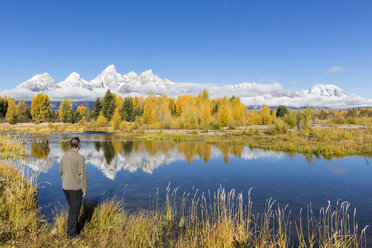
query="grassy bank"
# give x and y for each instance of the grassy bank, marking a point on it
(326, 142)
(321, 141)
(43, 127)
(222, 219)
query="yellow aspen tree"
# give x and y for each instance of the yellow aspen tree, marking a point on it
(206, 113)
(21, 108)
(165, 111)
(265, 115)
(82, 110)
(205, 94)
(116, 119)
(307, 117)
(148, 113)
(224, 115)
(11, 114)
(135, 102)
(40, 108)
(189, 113)
(65, 111)
(255, 118)
(239, 112)
(101, 120)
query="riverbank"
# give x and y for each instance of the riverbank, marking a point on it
(319, 140)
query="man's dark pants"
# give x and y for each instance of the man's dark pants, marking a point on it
(73, 198)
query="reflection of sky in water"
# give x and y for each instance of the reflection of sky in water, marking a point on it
(134, 170)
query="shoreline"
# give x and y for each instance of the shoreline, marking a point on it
(318, 140)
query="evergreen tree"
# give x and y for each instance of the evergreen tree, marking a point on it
(54, 117)
(96, 109)
(3, 107)
(77, 116)
(137, 112)
(281, 111)
(40, 108)
(126, 110)
(108, 105)
(65, 111)
(88, 114)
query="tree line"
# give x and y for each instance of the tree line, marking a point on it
(163, 112)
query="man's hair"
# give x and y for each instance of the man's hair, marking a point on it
(74, 142)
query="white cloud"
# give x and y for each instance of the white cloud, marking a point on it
(251, 94)
(270, 93)
(335, 69)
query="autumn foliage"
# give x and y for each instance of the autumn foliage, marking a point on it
(184, 112)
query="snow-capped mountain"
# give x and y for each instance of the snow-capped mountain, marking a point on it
(145, 83)
(39, 82)
(325, 90)
(250, 93)
(108, 79)
(74, 80)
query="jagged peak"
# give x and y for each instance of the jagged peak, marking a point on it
(132, 74)
(74, 75)
(109, 69)
(325, 86)
(147, 73)
(41, 75)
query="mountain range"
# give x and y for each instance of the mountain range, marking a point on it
(132, 84)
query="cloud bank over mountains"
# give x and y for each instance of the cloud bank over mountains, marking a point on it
(132, 84)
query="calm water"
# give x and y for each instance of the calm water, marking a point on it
(134, 170)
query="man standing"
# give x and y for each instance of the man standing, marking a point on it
(74, 183)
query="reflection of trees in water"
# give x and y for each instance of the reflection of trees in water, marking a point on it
(127, 147)
(108, 151)
(110, 148)
(309, 158)
(40, 150)
(205, 151)
(237, 151)
(155, 146)
(226, 150)
(150, 147)
(117, 147)
(191, 150)
(65, 146)
(97, 145)
(138, 146)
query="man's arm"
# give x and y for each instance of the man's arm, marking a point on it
(83, 175)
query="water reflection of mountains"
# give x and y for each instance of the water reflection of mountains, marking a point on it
(112, 156)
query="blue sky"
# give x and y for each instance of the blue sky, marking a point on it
(218, 41)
